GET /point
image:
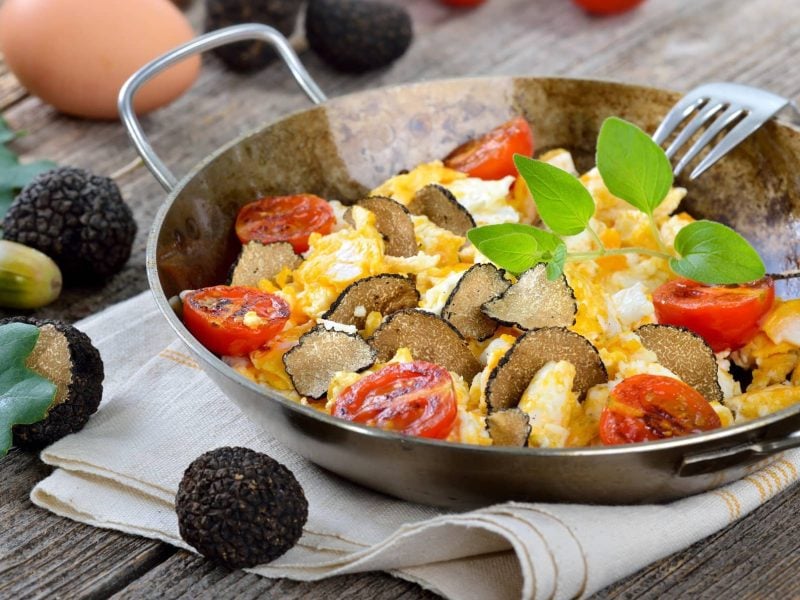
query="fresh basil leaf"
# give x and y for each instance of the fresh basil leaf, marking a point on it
(25, 396)
(515, 252)
(546, 240)
(713, 253)
(633, 167)
(555, 266)
(564, 204)
(18, 176)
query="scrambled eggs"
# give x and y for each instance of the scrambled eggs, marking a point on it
(613, 294)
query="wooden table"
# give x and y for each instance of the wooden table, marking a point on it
(668, 43)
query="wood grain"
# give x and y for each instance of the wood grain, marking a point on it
(668, 43)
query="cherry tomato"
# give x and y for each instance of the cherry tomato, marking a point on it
(607, 7)
(415, 398)
(492, 155)
(726, 316)
(462, 2)
(233, 320)
(285, 219)
(653, 407)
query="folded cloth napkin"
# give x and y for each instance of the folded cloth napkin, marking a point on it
(160, 412)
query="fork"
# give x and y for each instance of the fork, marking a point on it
(717, 105)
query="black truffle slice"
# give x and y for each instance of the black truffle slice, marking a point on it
(512, 375)
(240, 508)
(253, 55)
(441, 207)
(65, 356)
(78, 219)
(534, 301)
(357, 35)
(510, 427)
(320, 354)
(429, 337)
(686, 354)
(480, 284)
(394, 224)
(385, 294)
(259, 261)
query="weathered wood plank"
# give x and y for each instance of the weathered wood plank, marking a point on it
(11, 91)
(670, 43)
(185, 575)
(44, 555)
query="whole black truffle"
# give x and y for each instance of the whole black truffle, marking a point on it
(78, 219)
(239, 507)
(65, 356)
(250, 56)
(357, 35)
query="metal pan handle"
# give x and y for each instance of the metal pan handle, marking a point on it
(715, 460)
(205, 42)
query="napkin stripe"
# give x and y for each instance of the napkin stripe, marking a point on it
(730, 502)
(180, 358)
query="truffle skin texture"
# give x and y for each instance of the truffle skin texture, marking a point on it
(357, 35)
(78, 219)
(250, 56)
(83, 394)
(240, 508)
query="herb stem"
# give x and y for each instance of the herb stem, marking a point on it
(657, 234)
(576, 256)
(596, 238)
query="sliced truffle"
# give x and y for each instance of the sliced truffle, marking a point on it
(78, 219)
(512, 375)
(385, 294)
(259, 261)
(394, 224)
(480, 284)
(65, 356)
(510, 427)
(240, 508)
(441, 207)
(686, 354)
(535, 301)
(357, 35)
(429, 337)
(320, 354)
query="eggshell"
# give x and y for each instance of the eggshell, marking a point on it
(76, 54)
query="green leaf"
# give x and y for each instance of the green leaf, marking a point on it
(18, 176)
(633, 167)
(555, 267)
(713, 253)
(25, 396)
(6, 135)
(546, 240)
(564, 204)
(515, 252)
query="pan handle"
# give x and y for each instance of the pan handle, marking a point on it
(715, 460)
(205, 42)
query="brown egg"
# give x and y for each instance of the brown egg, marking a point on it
(76, 54)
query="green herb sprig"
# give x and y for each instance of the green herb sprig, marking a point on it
(13, 175)
(635, 169)
(25, 396)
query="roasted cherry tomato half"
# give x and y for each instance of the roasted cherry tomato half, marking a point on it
(233, 320)
(726, 316)
(285, 219)
(492, 155)
(653, 407)
(415, 398)
(607, 7)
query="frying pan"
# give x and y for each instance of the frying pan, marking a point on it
(343, 147)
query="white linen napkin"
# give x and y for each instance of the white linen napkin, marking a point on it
(160, 412)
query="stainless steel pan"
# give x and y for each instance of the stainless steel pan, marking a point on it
(343, 147)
